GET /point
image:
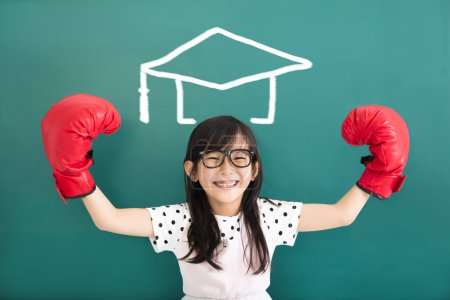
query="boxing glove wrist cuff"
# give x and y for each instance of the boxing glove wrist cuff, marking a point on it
(369, 192)
(74, 186)
(380, 185)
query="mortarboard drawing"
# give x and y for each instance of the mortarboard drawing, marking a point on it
(150, 68)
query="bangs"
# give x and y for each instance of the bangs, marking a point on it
(229, 142)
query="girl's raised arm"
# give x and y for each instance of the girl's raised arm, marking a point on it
(68, 129)
(315, 217)
(387, 135)
(128, 221)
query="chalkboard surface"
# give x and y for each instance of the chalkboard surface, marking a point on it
(392, 53)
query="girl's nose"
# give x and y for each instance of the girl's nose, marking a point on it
(226, 166)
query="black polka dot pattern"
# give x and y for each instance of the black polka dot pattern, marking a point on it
(281, 220)
(229, 227)
(168, 222)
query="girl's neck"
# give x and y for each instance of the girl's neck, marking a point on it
(226, 210)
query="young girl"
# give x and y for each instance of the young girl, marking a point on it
(225, 234)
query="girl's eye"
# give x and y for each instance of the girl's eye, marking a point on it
(240, 155)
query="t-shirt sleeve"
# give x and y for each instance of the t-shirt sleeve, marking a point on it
(168, 222)
(281, 220)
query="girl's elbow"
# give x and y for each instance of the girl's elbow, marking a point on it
(103, 225)
(343, 217)
(100, 226)
(347, 217)
(348, 220)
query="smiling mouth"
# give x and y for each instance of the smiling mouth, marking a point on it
(226, 184)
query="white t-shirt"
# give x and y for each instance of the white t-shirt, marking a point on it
(201, 281)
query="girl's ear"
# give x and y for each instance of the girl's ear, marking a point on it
(255, 170)
(188, 166)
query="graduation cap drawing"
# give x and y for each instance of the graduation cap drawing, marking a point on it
(156, 68)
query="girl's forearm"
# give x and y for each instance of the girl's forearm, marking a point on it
(100, 208)
(352, 203)
(128, 221)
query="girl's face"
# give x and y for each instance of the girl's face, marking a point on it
(224, 185)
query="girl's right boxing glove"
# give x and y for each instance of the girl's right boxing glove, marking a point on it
(387, 135)
(68, 129)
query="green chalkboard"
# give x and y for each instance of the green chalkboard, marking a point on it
(392, 53)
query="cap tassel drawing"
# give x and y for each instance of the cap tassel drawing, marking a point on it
(295, 64)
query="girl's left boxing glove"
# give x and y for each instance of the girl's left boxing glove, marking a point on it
(387, 136)
(68, 129)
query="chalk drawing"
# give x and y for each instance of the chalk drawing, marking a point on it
(147, 68)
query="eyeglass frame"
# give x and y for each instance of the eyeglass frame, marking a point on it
(227, 153)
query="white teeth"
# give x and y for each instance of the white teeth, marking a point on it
(226, 185)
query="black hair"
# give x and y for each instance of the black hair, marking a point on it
(214, 133)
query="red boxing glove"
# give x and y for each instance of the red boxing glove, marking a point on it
(387, 136)
(68, 129)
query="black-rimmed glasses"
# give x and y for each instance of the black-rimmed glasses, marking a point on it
(240, 158)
